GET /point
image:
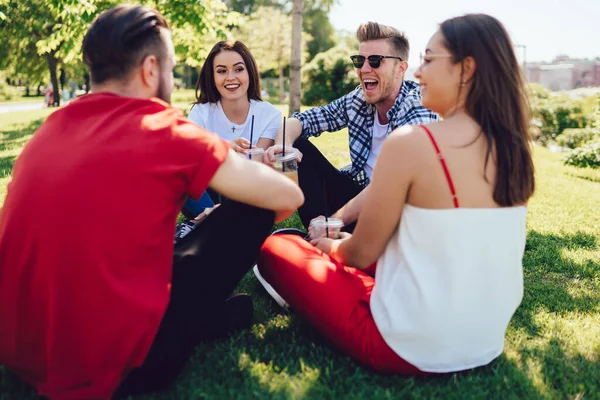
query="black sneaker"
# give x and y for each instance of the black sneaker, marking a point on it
(239, 311)
(184, 229)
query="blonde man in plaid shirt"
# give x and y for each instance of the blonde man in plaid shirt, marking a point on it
(383, 102)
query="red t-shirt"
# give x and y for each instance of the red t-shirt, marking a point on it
(86, 239)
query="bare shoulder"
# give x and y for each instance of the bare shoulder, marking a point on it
(406, 135)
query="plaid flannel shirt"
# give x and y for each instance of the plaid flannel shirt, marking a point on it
(354, 112)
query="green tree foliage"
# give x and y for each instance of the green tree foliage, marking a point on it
(50, 32)
(316, 24)
(247, 7)
(573, 138)
(586, 156)
(329, 76)
(270, 43)
(555, 113)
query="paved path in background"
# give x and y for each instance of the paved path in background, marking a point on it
(30, 105)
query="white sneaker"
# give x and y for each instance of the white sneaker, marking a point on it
(282, 303)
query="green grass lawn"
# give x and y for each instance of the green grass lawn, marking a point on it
(552, 344)
(23, 99)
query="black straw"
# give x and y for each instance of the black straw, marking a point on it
(251, 132)
(283, 164)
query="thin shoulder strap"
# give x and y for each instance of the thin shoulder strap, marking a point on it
(444, 166)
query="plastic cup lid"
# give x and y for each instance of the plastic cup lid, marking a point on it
(289, 156)
(331, 222)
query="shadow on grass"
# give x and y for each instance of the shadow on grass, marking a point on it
(548, 274)
(282, 357)
(13, 138)
(586, 177)
(6, 165)
(564, 374)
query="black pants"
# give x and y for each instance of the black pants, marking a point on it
(207, 266)
(318, 179)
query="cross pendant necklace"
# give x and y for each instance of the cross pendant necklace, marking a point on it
(233, 129)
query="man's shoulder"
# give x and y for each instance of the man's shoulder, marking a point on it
(409, 96)
(355, 100)
(409, 108)
(410, 91)
(356, 94)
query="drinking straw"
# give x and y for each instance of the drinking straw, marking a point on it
(283, 164)
(251, 132)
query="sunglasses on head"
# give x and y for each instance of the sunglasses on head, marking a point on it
(374, 60)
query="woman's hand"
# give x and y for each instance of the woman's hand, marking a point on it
(329, 246)
(241, 145)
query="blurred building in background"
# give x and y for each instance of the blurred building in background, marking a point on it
(564, 73)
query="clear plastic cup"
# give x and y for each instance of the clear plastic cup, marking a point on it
(255, 154)
(287, 164)
(320, 227)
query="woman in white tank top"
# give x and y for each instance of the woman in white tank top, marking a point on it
(432, 274)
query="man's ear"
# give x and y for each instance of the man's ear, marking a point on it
(403, 66)
(150, 71)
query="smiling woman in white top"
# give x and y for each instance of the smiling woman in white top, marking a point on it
(228, 96)
(432, 274)
(229, 103)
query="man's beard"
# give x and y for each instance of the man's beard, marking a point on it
(163, 91)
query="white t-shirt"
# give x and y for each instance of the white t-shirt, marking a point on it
(448, 283)
(267, 120)
(379, 135)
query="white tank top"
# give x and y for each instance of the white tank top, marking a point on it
(448, 284)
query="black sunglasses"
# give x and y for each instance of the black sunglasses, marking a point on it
(374, 60)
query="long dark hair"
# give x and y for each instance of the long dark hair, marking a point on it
(206, 91)
(497, 100)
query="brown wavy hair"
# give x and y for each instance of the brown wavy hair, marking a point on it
(206, 91)
(497, 100)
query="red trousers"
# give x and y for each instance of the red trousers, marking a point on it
(332, 297)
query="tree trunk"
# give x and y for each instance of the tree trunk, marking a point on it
(281, 84)
(52, 63)
(296, 59)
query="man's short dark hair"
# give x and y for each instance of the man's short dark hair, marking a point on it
(374, 31)
(120, 38)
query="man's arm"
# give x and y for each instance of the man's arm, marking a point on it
(313, 122)
(293, 130)
(256, 184)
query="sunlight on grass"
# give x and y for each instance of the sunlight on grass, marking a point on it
(279, 382)
(533, 368)
(277, 323)
(567, 328)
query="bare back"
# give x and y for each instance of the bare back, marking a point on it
(463, 150)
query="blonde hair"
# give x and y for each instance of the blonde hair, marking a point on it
(374, 31)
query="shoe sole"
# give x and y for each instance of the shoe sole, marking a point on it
(278, 299)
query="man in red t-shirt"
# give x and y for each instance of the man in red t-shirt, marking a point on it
(93, 296)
